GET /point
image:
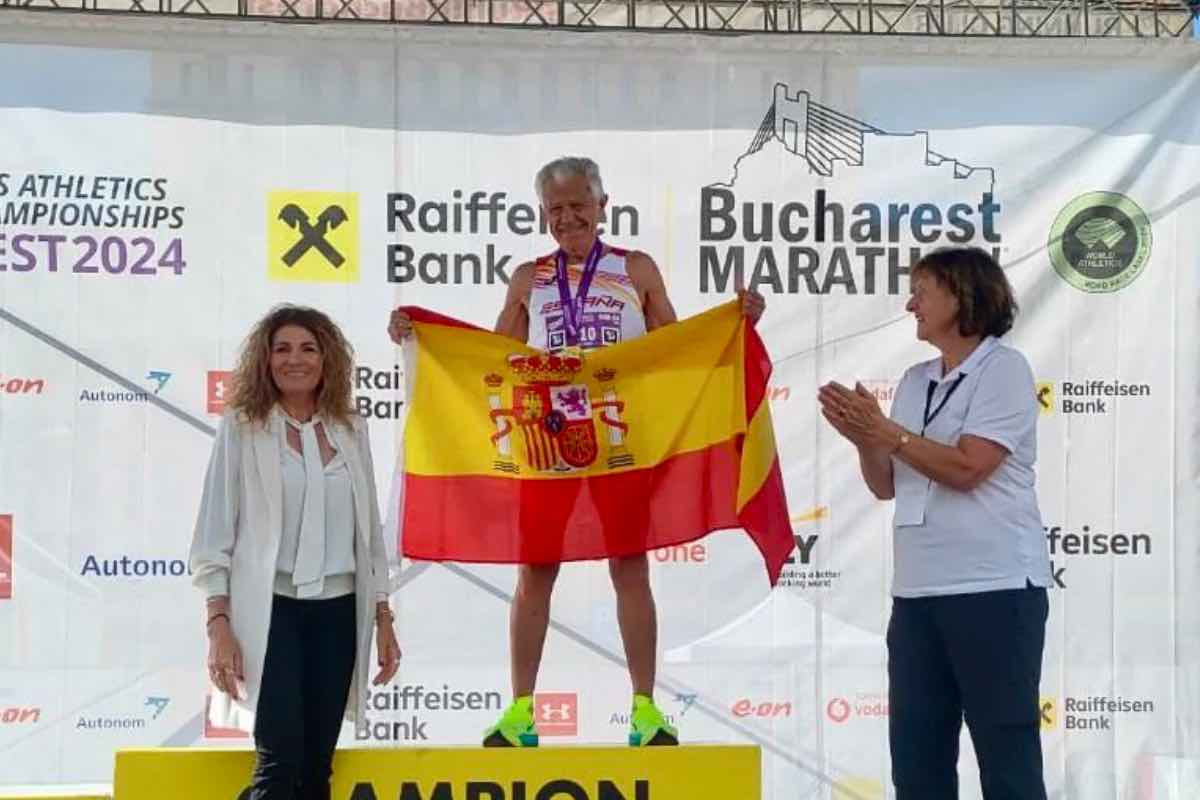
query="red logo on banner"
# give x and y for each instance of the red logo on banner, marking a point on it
(11, 385)
(213, 732)
(556, 713)
(838, 709)
(220, 389)
(19, 715)
(766, 709)
(695, 552)
(6, 559)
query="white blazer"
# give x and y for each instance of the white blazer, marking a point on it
(239, 527)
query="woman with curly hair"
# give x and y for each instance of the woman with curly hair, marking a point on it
(288, 550)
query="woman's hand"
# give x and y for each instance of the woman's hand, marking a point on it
(856, 415)
(830, 401)
(386, 645)
(225, 666)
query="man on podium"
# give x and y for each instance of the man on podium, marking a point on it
(585, 295)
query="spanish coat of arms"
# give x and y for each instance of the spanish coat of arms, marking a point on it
(554, 416)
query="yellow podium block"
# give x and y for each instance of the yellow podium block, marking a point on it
(695, 772)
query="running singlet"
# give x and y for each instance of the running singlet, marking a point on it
(612, 312)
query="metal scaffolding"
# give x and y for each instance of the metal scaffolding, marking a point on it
(976, 18)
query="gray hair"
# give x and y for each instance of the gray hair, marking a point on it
(569, 167)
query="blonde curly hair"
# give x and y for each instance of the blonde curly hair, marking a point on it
(254, 390)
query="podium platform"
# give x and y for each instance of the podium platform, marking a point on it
(693, 772)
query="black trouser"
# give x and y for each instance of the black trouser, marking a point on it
(973, 655)
(305, 684)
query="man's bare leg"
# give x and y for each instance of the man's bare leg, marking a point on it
(637, 618)
(528, 621)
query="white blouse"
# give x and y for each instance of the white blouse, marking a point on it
(336, 529)
(322, 566)
(990, 538)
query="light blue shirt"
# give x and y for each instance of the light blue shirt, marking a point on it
(990, 538)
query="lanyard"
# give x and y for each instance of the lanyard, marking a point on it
(573, 308)
(945, 399)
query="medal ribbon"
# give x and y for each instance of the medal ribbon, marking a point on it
(573, 307)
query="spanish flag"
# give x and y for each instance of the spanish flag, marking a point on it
(513, 455)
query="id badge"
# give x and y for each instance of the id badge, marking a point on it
(912, 492)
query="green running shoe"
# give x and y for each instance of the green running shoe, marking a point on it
(648, 726)
(515, 727)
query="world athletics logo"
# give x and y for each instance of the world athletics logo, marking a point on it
(1100, 242)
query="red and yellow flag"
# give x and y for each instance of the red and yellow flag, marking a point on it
(512, 455)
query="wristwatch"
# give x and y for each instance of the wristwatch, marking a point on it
(905, 438)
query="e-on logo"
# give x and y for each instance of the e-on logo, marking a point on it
(19, 715)
(11, 385)
(312, 236)
(762, 709)
(1100, 242)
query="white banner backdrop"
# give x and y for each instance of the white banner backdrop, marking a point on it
(145, 169)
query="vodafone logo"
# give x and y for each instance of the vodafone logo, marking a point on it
(865, 705)
(838, 709)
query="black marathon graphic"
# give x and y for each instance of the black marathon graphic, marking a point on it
(824, 241)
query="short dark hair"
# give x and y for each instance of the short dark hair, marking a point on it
(986, 304)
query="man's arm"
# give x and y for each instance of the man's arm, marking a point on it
(514, 316)
(648, 281)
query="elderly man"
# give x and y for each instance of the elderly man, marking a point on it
(585, 295)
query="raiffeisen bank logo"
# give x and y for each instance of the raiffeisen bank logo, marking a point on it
(823, 203)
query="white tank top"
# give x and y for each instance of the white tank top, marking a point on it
(611, 314)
